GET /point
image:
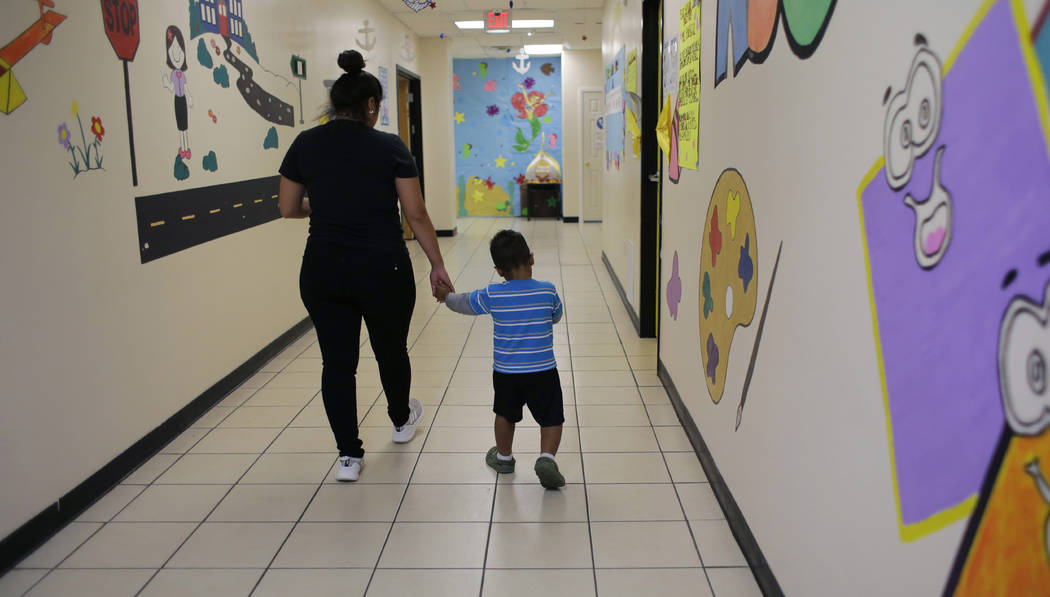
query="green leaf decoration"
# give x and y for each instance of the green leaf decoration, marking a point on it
(520, 138)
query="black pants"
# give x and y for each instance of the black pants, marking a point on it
(339, 288)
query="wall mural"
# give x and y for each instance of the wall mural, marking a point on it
(728, 267)
(39, 32)
(615, 111)
(674, 289)
(217, 40)
(1041, 40)
(805, 22)
(226, 19)
(954, 219)
(503, 118)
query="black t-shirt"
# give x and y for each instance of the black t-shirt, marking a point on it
(349, 170)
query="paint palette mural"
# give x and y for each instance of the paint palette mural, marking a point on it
(505, 111)
(959, 197)
(728, 262)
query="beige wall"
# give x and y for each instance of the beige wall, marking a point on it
(810, 463)
(97, 349)
(439, 163)
(621, 187)
(581, 69)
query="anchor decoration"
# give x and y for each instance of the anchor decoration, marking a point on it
(370, 40)
(523, 65)
(408, 48)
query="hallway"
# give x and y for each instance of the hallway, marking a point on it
(245, 502)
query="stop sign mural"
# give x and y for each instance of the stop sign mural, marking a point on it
(121, 19)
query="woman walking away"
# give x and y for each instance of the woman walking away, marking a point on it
(356, 264)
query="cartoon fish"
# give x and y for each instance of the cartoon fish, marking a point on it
(553, 140)
(466, 150)
(490, 85)
(483, 69)
(547, 69)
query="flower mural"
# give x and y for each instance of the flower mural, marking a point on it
(63, 135)
(83, 156)
(97, 129)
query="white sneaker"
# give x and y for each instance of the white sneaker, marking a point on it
(404, 433)
(349, 468)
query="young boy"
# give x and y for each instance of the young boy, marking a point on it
(524, 312)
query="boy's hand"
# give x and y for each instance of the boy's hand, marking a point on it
(441, 291)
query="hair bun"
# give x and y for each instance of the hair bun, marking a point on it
(351, 61)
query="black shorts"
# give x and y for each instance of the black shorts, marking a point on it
(540, 390)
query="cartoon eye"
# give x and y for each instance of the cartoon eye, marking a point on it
(906, 134)
(1036, 372)
(924, 113)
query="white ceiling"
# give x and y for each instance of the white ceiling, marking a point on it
(573, 19)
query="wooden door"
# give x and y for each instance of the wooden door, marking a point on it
(404, 129)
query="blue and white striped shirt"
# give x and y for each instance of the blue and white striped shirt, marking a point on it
(523, 315)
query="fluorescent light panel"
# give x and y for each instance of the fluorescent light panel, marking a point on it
(498, 31)
(532, 23)
(539, 49)
(470, 24)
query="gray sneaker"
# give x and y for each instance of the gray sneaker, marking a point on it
(547, 471)
(500, 466)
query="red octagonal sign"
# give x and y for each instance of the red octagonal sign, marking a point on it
(121, 18)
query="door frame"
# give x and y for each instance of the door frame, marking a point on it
(579, 150)
(652, 172)
(415, 117)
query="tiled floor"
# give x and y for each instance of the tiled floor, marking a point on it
(244, 502)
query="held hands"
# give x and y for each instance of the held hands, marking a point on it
(440, 283)
(442, 292)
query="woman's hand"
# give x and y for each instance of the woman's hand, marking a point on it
(439, 277)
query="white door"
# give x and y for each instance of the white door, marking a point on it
(593, 136)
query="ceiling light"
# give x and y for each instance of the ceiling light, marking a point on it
(543, 49)
(470, 24)
(498, 31)
(532, 23)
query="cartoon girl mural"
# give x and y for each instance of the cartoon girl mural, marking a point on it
(175, 81)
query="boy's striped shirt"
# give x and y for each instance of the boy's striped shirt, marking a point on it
(523, 316)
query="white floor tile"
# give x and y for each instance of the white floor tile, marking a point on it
(173, 503)
(333, 545)
(717, 545)
(447, 503)
(539, 545)
(643, 545)
(432, 583)
(108, 505)
(177, 583)
(313, 582)
(549, 583)
(91, 583)
(231, 545)
(55, 549)
(435, 545)
(130, 545)
(668, 582)
(733, 582)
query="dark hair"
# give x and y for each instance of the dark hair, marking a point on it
(173, 34)
(509, 250)
(351, 91)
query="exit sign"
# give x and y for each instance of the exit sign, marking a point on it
(497, 19)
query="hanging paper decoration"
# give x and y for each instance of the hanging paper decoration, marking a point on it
(418, 5)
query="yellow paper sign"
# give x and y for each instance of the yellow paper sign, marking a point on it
(689, 85)
(631, 76)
